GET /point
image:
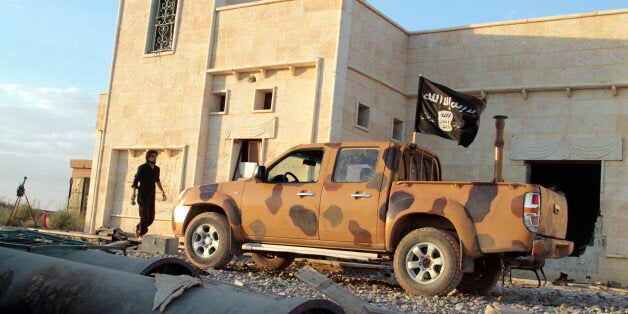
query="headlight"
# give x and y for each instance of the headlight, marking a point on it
(180, 212)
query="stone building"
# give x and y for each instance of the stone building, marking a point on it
(217, 86)
(79, 185)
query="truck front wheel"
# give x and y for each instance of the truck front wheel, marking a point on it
(207, 241)
(485, 274)
(426, 262)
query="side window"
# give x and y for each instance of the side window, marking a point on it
(356, 164)
(300, 166)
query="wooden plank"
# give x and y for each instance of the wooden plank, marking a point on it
(349, 302)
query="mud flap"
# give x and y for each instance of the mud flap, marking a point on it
(236, 249)
(466, 262)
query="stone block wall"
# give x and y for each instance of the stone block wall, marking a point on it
(155, 102)
(375, 75)
(557, 79)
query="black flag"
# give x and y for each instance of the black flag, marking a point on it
(447, 113)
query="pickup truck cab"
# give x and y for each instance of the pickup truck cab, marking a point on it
(373, 202)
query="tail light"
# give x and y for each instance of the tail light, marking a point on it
(532, 211)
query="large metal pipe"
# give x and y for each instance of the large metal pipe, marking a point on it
(32, 283)
(499, 147)
(140, 266)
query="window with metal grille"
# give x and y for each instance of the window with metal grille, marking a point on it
(162, 28)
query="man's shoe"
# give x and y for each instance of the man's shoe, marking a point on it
(561, 280)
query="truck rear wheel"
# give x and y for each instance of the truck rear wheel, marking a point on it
(273, 261)
(207, 241)
(426, 262)
(485, 274)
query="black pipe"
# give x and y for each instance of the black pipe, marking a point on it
(140, 266)
(33, 283)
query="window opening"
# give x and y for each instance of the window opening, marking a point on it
(163, 25)
(397, 133)
(218, 103)
(249, 155)
(264, 100)
(363, 116)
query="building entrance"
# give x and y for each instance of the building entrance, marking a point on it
(580, 181)
(249, 155)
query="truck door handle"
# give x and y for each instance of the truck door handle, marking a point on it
(361, 195)
(306, 194)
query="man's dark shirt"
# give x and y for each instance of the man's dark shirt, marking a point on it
(146, 177)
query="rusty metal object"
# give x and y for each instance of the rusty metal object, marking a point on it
(32, 283)
(499, 147)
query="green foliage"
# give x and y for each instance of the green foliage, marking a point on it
(60, 220)
(67, 221)
(5, 212)
(22, 212)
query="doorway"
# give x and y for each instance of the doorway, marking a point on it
(580, 181)
(249, 155)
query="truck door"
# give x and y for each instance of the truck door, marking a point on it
(350, 197)
(286, 205)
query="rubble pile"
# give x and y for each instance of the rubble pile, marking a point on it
(380, 289)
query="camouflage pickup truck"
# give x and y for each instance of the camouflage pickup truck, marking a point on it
(373, 202)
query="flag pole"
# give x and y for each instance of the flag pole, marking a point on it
(416, 116)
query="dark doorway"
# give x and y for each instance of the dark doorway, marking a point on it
(580, 181)
(248, 151)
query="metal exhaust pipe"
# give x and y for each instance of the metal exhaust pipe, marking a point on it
(499, 147)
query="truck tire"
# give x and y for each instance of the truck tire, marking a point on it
(273, 261)
(486, 271)
(207, 241)
(426, 262)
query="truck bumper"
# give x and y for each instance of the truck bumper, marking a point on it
(543, 248)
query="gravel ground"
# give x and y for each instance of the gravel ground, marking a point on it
(379, 288)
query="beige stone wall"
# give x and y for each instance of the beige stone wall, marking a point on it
(155, 103)
(322, 57)
(277, 31)
(578, 50)
(375, 75)
(288, 46)
(292, 118)
(586, 53)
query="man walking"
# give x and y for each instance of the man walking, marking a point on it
(146, 178)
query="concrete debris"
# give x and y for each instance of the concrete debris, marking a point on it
(496, 308)
(349, 302)
(169, 287)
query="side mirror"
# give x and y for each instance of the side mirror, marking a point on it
(260, 173)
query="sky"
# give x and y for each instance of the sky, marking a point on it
(56, 59)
